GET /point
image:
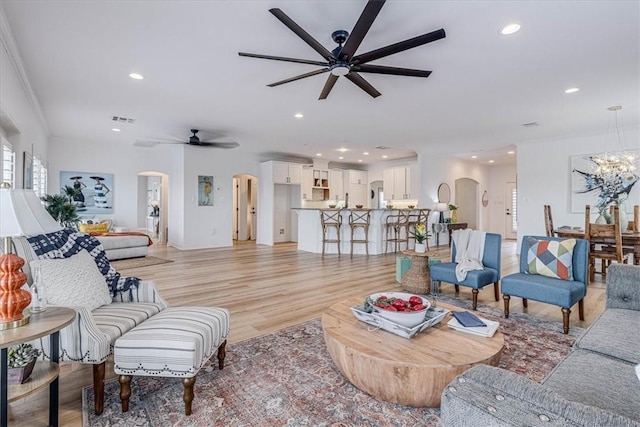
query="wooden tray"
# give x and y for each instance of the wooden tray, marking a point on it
(433, 316)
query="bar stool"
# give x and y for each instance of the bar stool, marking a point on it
(417, 216)
(360, 219)
(330, 219)
(395, 224)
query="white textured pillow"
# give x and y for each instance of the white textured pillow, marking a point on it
(74, 281)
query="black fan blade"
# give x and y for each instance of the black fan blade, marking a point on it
(225, 145)
(363, 84)
(399, 47)
(302, 34)
(331, 80)
(361, 28)
(282, 58)
(301, 76)
(381, 69)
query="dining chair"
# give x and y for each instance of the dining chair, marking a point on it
(548, 221)
(634, 225)
(605, 242)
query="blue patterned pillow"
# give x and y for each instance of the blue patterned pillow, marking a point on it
(551, 258)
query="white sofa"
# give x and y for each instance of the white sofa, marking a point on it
(125, 246)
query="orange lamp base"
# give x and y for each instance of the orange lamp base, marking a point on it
(13, 300)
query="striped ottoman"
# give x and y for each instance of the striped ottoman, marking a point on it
(176, 342)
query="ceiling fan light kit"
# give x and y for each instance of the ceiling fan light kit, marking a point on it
(342, 61)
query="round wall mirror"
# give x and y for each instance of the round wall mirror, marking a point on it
(444, 193)
(485, 199)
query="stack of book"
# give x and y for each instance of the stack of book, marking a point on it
(465, 321)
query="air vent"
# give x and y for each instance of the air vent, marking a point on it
(123, 120)
(531, 125)
(382, 147)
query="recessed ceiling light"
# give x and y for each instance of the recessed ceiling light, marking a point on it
(340, 158)
(385, 156)
(343, 150)
(474, 157)
(366, 153)
(115, 130)
(319, 154)
(298, 115)
(491, 161)
(572, 90)
(360, 160)
(136, 76)
(510, 29)
(511, 152)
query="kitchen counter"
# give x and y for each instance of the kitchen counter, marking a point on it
(310, 232)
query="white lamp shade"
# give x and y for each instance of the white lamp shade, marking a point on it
(441, 207)
(22, 214)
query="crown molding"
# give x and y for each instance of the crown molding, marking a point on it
(9, 45)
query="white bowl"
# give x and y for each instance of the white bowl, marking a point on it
(405, 318)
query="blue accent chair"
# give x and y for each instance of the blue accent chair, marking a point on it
(476, 279)
(563, 293)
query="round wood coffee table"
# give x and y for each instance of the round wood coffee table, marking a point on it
(412, 372)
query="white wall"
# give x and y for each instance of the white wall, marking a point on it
(544, 177)
(19, 118)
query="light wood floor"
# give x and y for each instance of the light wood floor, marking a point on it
(266, 289)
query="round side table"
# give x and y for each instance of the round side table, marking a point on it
(49, 322)
(417, 279)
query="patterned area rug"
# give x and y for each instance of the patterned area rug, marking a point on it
(287, 378)
(125, 264)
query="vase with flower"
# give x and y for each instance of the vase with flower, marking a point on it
(420, 234)
(454, 213)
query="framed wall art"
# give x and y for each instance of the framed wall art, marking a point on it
(205, 190)
(96, 191)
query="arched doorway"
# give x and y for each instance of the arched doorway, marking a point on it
(153, 197)
(245, 207)
(467, 201)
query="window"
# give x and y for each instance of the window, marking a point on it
(39, 178)
(8, 165)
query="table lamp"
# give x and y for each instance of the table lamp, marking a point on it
(21, 214)
(441, 207)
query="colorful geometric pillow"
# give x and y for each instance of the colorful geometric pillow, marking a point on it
(551, 258)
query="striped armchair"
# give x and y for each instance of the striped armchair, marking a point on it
(90, 338)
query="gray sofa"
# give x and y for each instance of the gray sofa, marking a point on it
(124, 246)
(595, 385)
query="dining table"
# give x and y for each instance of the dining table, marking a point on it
(629, 238)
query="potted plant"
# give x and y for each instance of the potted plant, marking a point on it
(22, 359)
(454, 213)
(61, 207)
(420, 234)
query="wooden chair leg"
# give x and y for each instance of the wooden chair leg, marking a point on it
(98, 387)
(457, 288)
(565, 320)
(496, 290)
(125, 391)
(474, 299)
(581, 309)
(222, 354)
(525, 302)
(506, 299)
(187, 394)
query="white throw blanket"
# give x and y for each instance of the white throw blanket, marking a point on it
(469, 251)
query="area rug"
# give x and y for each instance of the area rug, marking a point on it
(287, 378)
(125, 264)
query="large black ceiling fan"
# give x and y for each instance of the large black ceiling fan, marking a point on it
(193, 140)
(342, 61)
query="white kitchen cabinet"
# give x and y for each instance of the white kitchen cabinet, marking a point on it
(396, 183)
(336, 184)
(307, 183)
(356, 187)
(287, 173)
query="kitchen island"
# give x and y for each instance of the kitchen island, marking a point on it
(310, 232)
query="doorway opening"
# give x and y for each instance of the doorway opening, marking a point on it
(511, 211)
(153, 197)
(245, 205)
(467, 201)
